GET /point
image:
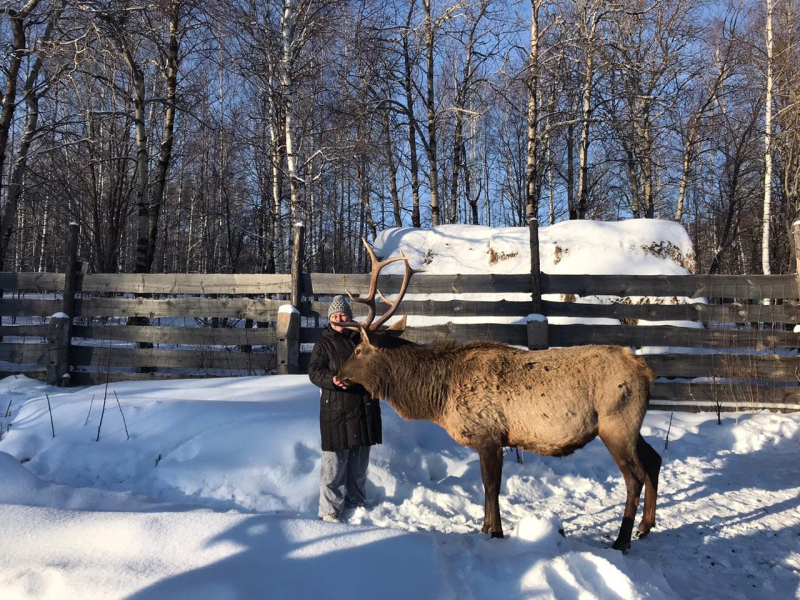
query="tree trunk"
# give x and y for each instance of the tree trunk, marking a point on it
(287, 64)
(408, 85)
(583, 158)
(458, 154)
(767, 217)
(531, 200)
(395, 195)
(573, 213)
(433, 164)
(19, 49)
(687, 157)
(167, 136)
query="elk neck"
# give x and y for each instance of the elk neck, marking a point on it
(414, 380)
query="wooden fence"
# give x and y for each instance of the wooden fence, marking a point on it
(744, 326)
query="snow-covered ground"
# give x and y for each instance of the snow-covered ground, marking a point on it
(214, 496)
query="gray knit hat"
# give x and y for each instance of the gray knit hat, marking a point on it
(340, 304)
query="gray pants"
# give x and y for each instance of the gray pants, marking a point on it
(343, 479)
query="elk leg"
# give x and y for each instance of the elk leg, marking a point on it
(492, 473)
(633, 472)
(652, 465)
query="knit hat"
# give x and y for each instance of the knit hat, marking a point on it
(340, 304)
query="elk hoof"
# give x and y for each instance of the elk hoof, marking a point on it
(497, 534)
(644, 529)
(621, 546)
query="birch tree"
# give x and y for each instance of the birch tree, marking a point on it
(767, 217)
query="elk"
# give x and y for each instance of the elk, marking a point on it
(489, 395)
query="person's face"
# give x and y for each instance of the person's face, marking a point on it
(336, 318)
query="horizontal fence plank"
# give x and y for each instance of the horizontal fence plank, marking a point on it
(772, 367)
(29, 307)
(684, 337)
(32, 282)
(469, 332)
(23, 331)
(432, 308)
(705, 313)
(695, 406)
(25, 353)
(693, 286)
(238, 308)
(716, 286)
(462, 332)
(35, 372)
(238, 336)
(327, 284)
(185, 283)
(101, 377)
(185, 359)
(732, 396)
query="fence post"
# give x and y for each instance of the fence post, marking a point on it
(288, 327)
(288, 337)
(59, 332)
(537, 322)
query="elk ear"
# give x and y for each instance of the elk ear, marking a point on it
(397, 328)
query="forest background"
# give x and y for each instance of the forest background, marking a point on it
(190, 135)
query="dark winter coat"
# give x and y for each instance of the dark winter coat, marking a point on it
(347, 418)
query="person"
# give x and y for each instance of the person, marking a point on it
(349, 419)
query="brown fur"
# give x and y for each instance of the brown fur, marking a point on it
(489, 395)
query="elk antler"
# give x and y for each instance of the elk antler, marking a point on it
(369, 299)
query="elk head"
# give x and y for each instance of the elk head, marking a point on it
(363, 366)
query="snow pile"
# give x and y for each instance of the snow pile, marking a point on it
(634, 247)
(215, 494)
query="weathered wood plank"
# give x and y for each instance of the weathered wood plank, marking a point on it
(236, 308)
(179, 335)
(772, 367)
(185, 283)
(692, 286)
(740, 397)
(24, 330)
(100, 377)
(28, 307)
(327, 284)
(432, 308)
(703, 407)
(186, 359)
(25, 353)
(722, 286)
(470, 332)
(259, 309)
(705, 313)
(467, 332)
(32, 282)
(34, 372)
(633, 335)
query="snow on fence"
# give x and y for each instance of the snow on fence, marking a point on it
(739, 351)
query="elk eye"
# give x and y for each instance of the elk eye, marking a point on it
(358, 350)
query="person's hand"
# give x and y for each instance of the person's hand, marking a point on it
(337, 382)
